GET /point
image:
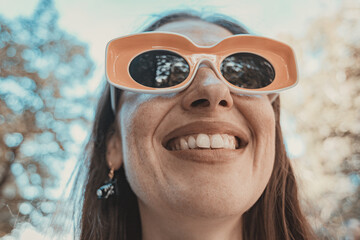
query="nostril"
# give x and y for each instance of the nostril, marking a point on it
(223, 103)
(200, 103)
(206, 103)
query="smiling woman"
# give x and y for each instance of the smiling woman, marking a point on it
(193, 144)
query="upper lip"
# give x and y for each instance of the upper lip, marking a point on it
(207, 127)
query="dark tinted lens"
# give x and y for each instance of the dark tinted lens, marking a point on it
(159, 69)
(247, 70)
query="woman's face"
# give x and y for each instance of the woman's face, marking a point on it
(203, 179)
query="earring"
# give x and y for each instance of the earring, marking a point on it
(109, 188)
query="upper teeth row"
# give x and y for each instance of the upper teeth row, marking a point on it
(203, 141)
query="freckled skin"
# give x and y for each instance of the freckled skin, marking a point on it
(183, 197)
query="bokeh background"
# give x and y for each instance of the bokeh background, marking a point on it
(52, 71)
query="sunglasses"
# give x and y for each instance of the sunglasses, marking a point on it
(162, 62)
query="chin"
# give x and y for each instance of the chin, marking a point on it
(218, 198)
(215, 206)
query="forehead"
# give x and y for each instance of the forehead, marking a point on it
(200, 32)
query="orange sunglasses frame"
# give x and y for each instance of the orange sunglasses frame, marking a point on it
(121, 51)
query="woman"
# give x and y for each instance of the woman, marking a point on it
(203, 162)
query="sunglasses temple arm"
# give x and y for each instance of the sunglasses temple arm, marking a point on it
(113, 98)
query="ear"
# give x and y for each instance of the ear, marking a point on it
(272, 97)
(114, 152)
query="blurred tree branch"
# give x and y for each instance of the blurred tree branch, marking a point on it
(43, 73)
(326, 106)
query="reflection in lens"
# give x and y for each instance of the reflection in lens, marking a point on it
(247, 70)
(159, 68)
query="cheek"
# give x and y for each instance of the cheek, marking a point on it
(132, 107)
(264, 126)
(135, 121)
(141, 111)
(131, 120)
(261, 119)
(138, 119)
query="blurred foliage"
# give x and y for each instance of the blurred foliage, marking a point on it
(43, 112)
(326, 105)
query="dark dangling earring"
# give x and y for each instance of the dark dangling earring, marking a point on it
(109, 188)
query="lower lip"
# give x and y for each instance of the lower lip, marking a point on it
(209, 156)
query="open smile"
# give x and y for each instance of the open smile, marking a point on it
(205, 141)
(206, 136)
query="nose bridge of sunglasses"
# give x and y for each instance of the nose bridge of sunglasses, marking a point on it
(196, 58)
(206, 60)
(209, 60)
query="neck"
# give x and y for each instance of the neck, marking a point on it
(176, 226)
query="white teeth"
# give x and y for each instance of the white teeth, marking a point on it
(217, 141)
(230, 141)
(226, 140)
(183, 144)
(203, 141)
(192, 142)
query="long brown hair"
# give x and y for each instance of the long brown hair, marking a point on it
(276, 215)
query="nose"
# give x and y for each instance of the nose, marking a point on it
(207, 92)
